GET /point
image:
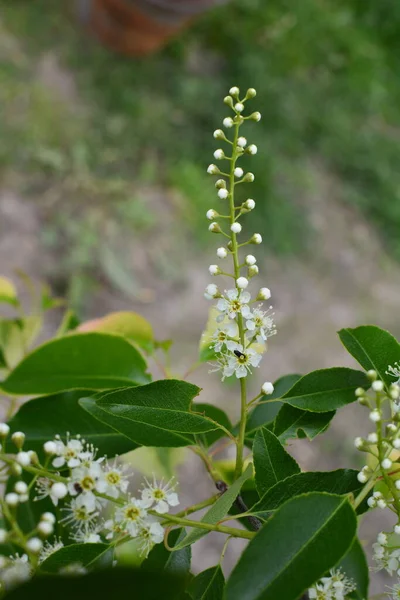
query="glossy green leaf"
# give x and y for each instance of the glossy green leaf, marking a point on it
(218, 510)
(91, 360)
(292, 422)
(103, 585)
(354, 565)
(157, 414)
(12, 342)
(305, 538)
(216, 414)
(341, 481)
(172, 562)
(271, 461)
(266, 413)
(326, 390)
(8, 292)
(208, 585)
(373, 348)
(42, 418)
(88, 555)
(129, 325)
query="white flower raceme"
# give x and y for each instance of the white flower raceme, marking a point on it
(241, 361)
(233, 303)
(131, 516)
(335, 587)
(261, 324)
(15, 570)
(225, 337)
(386, 558)
(68, 454)
(159, 495)
(148, 535)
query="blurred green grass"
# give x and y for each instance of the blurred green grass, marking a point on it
(326, 73)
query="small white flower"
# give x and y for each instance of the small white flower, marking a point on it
(385, 558)
(234, 91)
(222, 252)
(84, 481)
(261, 324)
(249, 204)
(386, 463)
(149, 534)
(49, 548)
(89, 536)
(159, 495)
(214, 270)
(335, 587)
(211, 291)
(47, 488)
(239, 107)
(113, 479)
(394, 591)
(212, 169)
(68, 453)
(223, 337)
(375, 415)
(241, 361)
(228, 122)
(267, 388)
(238, 172)
(382, 538)
(250, 260)
(34, 545)
(242, 142)
(377, 386)
(219, 134)
(131, 516)
(223, 193)
(236, 227)
(16, 570)
(256, 239)
(219, 154)
(242, 283)
(252, 149)
(78, 515)
(234, 302)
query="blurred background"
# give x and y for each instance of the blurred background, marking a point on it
(103, 184)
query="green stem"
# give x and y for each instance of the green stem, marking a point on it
(199, 506)
(232, 531)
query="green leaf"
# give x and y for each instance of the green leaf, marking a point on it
(218, 511)
(129, 325)
(305, 538)
(216, 414)
(354, 565)
(326, 390)
(88, 555)
(271, 461)
(208, 585)
(295, 423)
(103, 585)
(12, 342)
(341, 481)
(42, 418)
(157, 414)
(8, 292)
(172, 562)
(86, 360)
(373, 348)
(266, 413)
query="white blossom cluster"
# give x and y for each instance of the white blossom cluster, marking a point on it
(88, 487)
(242, 327)
(335, 587)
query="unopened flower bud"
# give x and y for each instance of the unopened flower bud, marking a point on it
(23, 459)
(249, 177)
(33, 457)
(236, 227)
(397, 529)
(48, 516)
(250, 260)
(392, 427)
(228, 122)
(3, 536)
(362, 477)
(264, 294)
(15, 469)
(34, 545)
(59, 490)
(242, 142)
(249, 204)
(50, 448)
(359, 392)
(23, 498)
(223, 193)
(252, 271)
(228, 101)
(252, 149)
(239, 107)
(234, 91)
(222, 252)
(267, 388)
(214, 228)
(242, 283)
(373, 438)
(256, 239)
(238, 172)
(220, 183)
(396, 443)
(4, 430)
(219, 134)
(394, 391)
(18, 437)
(382, 538)
(372, 375)
(371, 502)
(11, 499)
(212, 169)
(255, 116)
(45, 528)
(386, 463)
(214, 270)
(377, 386)
(375, 415)
(219, 154)
(251, 93)
(381, 503)
(211, 291)
(359, 443)
(20, 487)
(211, 214)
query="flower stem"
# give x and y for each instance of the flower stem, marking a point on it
(232, 531)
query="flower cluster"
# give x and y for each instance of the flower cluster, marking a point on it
(88, 487)
(242, 328)
(335, 587)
